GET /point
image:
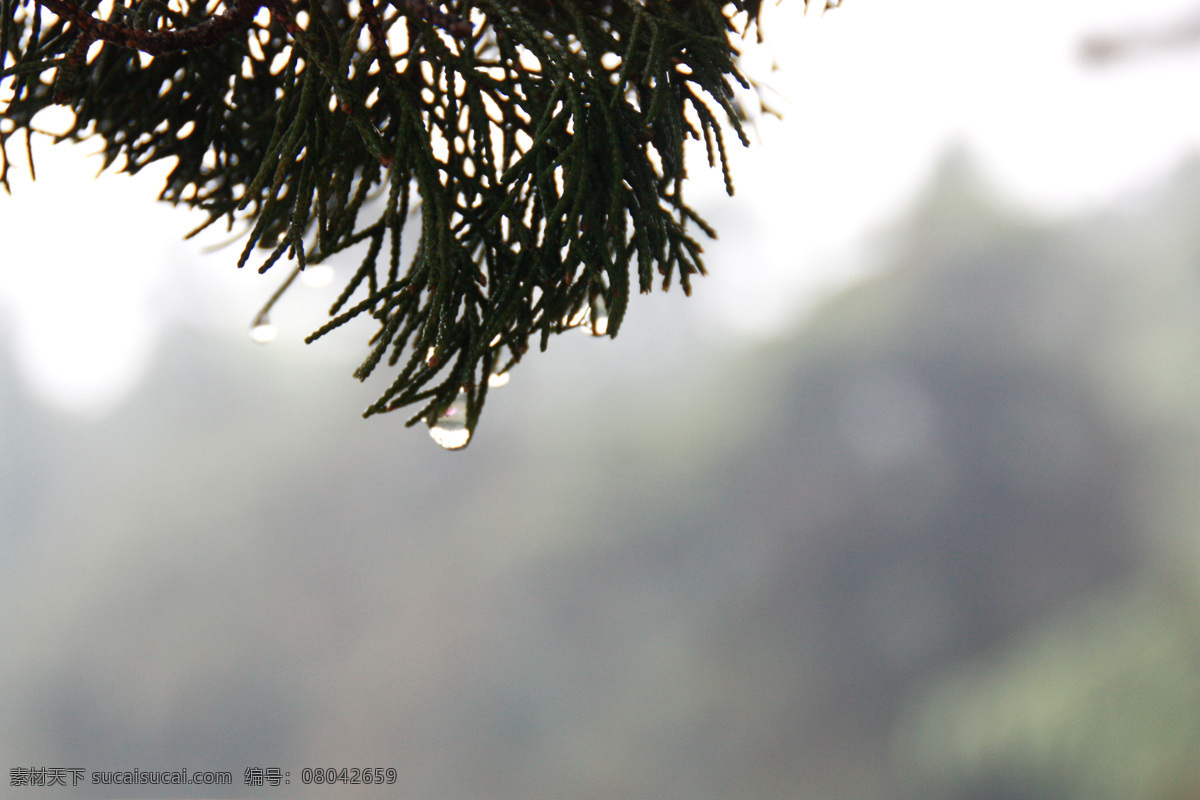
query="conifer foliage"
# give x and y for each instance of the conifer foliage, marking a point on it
(539, 143)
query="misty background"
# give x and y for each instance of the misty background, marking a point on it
(929, 533)
(938, 542)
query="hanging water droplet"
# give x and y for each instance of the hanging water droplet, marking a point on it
(499, 375)
(262, 331)
(576, 319)
(599, 317)
(450, 429)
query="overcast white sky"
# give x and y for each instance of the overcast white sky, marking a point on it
(873, 93)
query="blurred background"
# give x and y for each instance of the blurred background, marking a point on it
(902, 505)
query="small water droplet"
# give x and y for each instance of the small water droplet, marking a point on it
(262, 331)
(599, 318)
(450, 429)
(576, 319)
(497, 379)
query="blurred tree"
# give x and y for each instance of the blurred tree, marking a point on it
(541, 144)
(1096, 702)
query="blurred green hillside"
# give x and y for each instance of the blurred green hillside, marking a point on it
(940, 543)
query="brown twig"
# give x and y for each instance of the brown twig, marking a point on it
(213, 29)
(204, 34)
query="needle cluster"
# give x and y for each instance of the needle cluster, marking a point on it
(536, 144)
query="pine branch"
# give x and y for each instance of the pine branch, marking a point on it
(540, 148)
